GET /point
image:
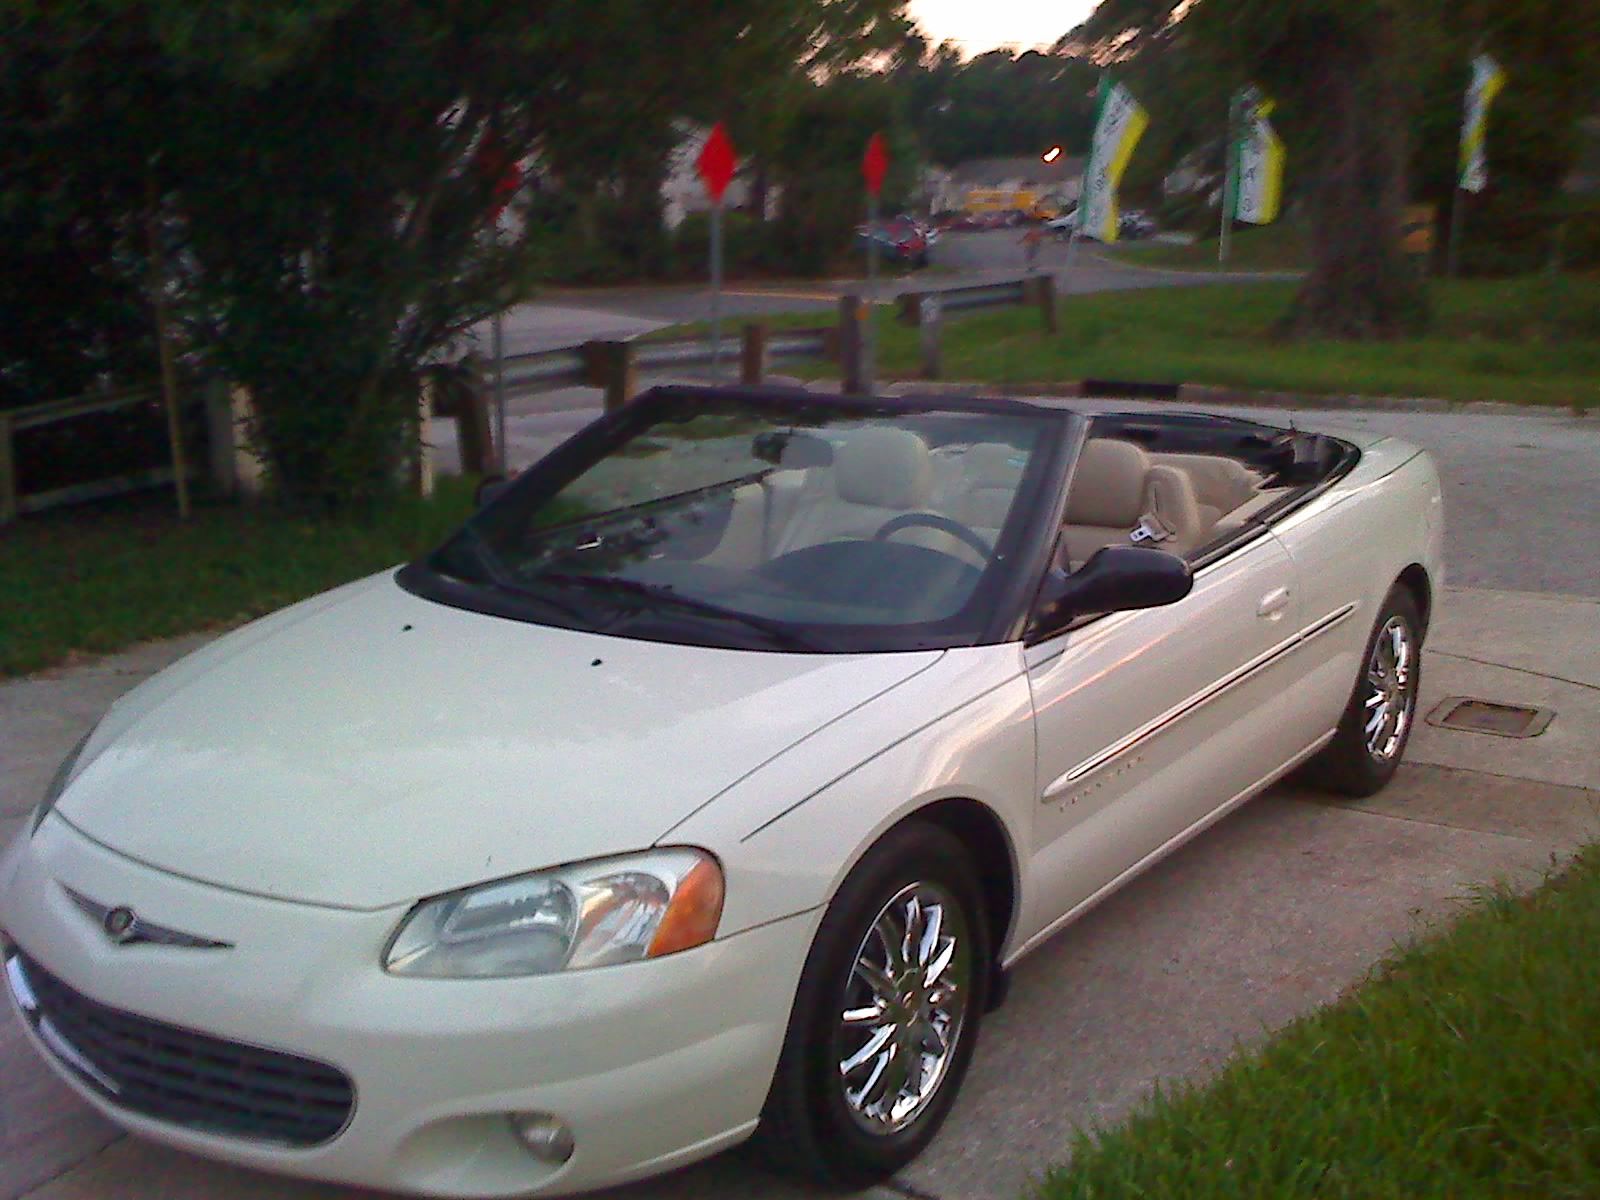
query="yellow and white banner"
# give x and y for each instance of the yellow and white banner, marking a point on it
(1260, 162)
(1487, 80)
(1121, 122)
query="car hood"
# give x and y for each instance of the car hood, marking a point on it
(369, 747)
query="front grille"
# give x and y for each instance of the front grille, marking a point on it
(187, 1078)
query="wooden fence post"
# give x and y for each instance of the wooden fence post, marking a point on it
(930, 330)
(609, 366)
(419, 470)
(1044, 293)
(8, 472)
(753, 355)
(249, 472)
(852, 356)
(221, 461)
(466, 400)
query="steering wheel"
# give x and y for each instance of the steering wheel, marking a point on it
(934, 521)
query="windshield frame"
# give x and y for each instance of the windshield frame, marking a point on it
(999, 603)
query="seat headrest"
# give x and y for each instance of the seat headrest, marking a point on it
(886, 468)
(1170, 499)
(992, 464)
(1108, 484)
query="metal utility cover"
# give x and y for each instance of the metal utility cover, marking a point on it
(1469, 715)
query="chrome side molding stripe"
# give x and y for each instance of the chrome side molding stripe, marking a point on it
(1184, 708)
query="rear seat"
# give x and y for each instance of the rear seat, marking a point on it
(1120, 496)
(1220, 484)
(991, 474)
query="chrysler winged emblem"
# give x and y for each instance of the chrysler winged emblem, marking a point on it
(121, 925)
(125, 927)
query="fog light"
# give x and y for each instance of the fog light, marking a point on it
(547, 1138)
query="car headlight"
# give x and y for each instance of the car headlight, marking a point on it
(58, 782)
(593, 914)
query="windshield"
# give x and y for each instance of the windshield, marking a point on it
(711, 518)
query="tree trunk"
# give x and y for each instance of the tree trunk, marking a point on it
(1361, 286)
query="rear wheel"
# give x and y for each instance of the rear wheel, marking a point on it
(886, 1015)
(1365, 752)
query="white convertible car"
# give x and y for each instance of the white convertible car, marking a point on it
(704, 785)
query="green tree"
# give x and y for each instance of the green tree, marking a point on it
(997, 104)
(325, 173)
(817, 164)
(1347, 74)
(1550, 50)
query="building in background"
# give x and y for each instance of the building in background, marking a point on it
(1027, 184)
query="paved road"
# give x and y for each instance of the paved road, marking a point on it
(565, 318)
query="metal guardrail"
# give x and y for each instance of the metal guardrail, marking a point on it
(982, 295)
(546, 368)
(605, 364)
(1001, 292)
(576, 366)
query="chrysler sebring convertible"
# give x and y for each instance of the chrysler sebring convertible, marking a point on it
(704, 785)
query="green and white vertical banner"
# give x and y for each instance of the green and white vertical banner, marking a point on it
(1487, 80)
(1118, 127)
(1259, 160)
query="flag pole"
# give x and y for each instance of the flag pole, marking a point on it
(1230, 183)
(1458, 220)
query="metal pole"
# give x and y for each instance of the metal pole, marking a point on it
(869, 357)
(1230, 185)
(502, 455)
(1458, 219)
(716, 289)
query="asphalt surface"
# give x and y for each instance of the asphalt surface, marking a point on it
(1276, 911)
(565, 318)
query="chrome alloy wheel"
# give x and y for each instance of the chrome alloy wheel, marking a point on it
(1391, 675)
(905, 1008)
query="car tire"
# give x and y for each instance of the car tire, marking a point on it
(843, 1110)
(1366, 751)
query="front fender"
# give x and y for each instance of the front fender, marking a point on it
(790, 833)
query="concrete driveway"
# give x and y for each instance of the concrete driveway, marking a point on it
(1276, 911)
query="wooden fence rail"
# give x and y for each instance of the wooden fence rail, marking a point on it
(612, 366)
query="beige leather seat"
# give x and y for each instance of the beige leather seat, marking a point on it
(992, 473)
(1120, 497)
(877, 474)
(1221, 484)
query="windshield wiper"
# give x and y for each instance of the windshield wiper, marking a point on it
(777, 633)
(483, 554)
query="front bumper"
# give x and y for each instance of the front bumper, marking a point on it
(651, 1065)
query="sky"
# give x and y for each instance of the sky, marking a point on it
(979, 25)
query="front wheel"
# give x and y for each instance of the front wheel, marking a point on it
(886, 1016)
(1365, 752)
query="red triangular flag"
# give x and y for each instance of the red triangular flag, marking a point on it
(875, 165)
(716, 162)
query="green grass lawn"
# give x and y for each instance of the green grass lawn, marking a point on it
(1277, 247)
(1524, 341)
(89, 582)
(1467, 1067)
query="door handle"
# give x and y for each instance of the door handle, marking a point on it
(1272, 604)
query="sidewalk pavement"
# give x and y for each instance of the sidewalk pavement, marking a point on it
(1277, 910)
